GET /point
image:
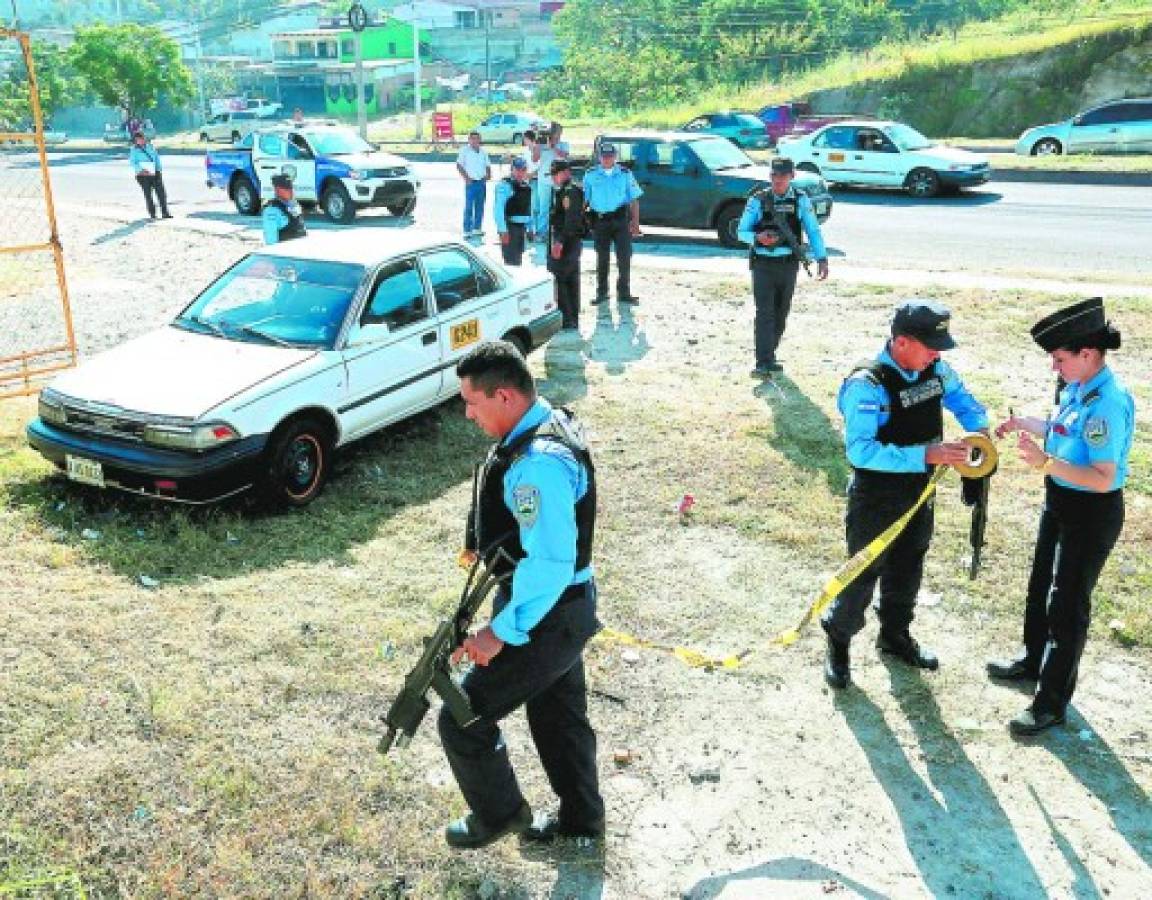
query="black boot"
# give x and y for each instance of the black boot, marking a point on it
(905, 647)
(1018, 669)
(837, 671)
(470, 833)
(547, 828)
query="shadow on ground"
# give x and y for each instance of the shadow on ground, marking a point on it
(803, 434)
(123, 231)
(617, 341)
(787, 868)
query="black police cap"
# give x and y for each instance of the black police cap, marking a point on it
(926, 321)
(1080, 321)
(281, 181)
(560, 165)
(783, 165)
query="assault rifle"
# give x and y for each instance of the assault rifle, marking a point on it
(977, 490)
(433, 670)
(785, 230)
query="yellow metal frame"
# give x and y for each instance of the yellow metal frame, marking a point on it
(22, 374)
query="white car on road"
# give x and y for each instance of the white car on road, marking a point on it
(885, 154)
(296, 350)
(509, 127)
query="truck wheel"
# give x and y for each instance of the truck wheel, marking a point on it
(296, 464)
(337, 205)
(808, 167)
(726, 224)
(403, 209)
(922, 183)
(245, 196)
(1047, 147)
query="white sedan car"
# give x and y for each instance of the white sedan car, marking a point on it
(509, 127)
(296, 350)
(885, 154)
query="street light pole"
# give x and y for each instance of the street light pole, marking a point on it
(487, 62)
(417, 79)
(358, 21)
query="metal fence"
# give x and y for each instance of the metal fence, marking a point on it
(36, 334)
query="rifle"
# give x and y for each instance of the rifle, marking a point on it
(432, 671)
(979, 492)
(781, 225)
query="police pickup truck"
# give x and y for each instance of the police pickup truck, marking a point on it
(331, 167)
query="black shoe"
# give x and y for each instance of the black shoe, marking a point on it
(905, 647)
(629, 301)
(598, 299)
(470, 833)
(167, 215)
(837, 671)
(761, 372)
(1018, 669)
(775, 367)
(546, 829)
(1031, 722)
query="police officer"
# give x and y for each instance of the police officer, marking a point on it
(893, 433)
(283, 219)
(1083, 455)
(535, 498)
(777, 249)
(566, 241)
(149, 170)
(512, 209)
(613, 196)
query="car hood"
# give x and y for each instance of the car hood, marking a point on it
(171, 372)
(370, 160)
(951, 155)
(763, 175)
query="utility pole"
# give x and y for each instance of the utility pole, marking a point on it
(200, 75)
(15, 17)
(487, 62)
(358, 21)
(416, 78)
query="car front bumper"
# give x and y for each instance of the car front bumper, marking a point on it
(390, 193)
(545, 328)
(964, 179)
(173, 475)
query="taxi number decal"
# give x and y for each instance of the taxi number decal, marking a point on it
(835, 157)
(465, 333)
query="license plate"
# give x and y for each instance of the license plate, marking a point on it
(465, 333)
(86, 471)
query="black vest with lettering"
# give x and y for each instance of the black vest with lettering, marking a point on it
(492, 525)
(915, 416)
(520, 203)
(563, 221)
(295, 227)
(789, 207)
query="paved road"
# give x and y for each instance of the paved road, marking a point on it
(1011, 228)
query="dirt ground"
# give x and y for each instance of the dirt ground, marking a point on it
(214, 736)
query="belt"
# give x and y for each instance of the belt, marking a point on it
(616, 213)
(762, 258)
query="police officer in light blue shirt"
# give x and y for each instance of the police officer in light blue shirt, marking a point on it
(149, 171)
(512, 210)
(1084, 460)
(535, 500)
(613, 197)
(283, 218)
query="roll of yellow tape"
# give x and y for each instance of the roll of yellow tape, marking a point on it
(982, 456)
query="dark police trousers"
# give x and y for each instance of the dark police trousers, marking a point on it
(612, 230)
(546, 676)
(1078, 529)
(773, 283)
(513, 251)
(566, 271)
(899, 569)
(150, 183)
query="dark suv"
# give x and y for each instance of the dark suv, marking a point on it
(698, 181)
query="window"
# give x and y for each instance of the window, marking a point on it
(1095, 116)
(697, 124)
(668, 158)
(453, 278)
(398, 299)
(835, 139)
(873, 141)
(1142, 112)
(391, 48)
(347, 48)
(271, 145)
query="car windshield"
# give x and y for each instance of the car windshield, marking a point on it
(721, 153)
(276, 300)
(747, 120)
(907, 138)
(337, 142)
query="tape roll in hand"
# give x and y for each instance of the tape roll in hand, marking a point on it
(982, 456)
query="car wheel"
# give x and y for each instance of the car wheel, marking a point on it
(402, 209)
(296, 464)
(517, 137)
(1047, 147)
(337, 204)
(808, 167)
(726, 225)
(922, 183)
(235, 136)
(246, 197)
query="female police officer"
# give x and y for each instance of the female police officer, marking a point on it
(1085, 463)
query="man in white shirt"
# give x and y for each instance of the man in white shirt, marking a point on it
(551, 148)
(475, 168)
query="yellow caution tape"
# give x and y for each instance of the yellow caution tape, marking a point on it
(694, 658)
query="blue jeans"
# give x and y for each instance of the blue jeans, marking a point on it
(475, 193)
(541, 206)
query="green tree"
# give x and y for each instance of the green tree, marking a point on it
(55, 78)
(131, 66)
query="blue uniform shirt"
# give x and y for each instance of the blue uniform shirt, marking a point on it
(541, 488)
(146, 156)
(864, 405)
(606, 190)
(503, 194)
(752, 211)
(1094, 423)
(273, 219)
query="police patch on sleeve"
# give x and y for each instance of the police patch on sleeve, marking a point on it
(526, 499)
(1096, 432)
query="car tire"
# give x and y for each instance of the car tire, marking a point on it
(337, 205)
(726, 224)
(246, 196)
(808, 167)
(296, 464)
(1047, 147)
(922, 183)
(403, 209)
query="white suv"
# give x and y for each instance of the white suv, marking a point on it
(230, 126)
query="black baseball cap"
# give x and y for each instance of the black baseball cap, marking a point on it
(281, 181)
(607, 148)
(1070, 324)
(560, 165)
(926, 321)
(783, 165)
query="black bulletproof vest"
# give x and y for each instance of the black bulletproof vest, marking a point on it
(558, 214)
(295, 227)
(520, 203)
(915, 415)
(789, 207)
(492, 525)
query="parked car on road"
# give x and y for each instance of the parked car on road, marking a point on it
(331, 166)
(1122, 126)
(742, 129)
(885, 154)
(699, 181)
(230, 126)
(793, 118)
(509, 127)
(297, 350)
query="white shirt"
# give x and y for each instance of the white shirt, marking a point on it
(475, 163)
(547, 154)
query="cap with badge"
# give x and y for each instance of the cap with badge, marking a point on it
(281, 181)
(926, 321)
(607, 148)
(1083, 321)
(782, 165)
(519, 163)
(560, 165)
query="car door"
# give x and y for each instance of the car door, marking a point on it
(1138, 128)
(468, 297)
(392, 353)
(832, 151)
(876, 160)
(1097, 130)
(662, 172)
